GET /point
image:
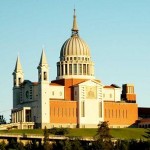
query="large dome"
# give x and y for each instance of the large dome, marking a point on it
(74, 46)
(75, 59)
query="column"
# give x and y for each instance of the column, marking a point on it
(13, 117)
(82, 69)
(72, 69)
(60, 73)
(16, 116)
(67, 69)
(77, 69)
(24, 119)
(22, 116)
(86, 70)
(63, 69)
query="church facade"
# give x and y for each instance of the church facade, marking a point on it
(75, 99)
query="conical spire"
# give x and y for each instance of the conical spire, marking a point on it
(74, 27)
(18, 66)
(43, 58)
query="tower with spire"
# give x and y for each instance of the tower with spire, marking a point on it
(18, 79)
(43, 72)
(18, 74)
(43, 118)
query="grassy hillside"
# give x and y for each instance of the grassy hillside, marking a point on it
(129, 133)
(122, 133)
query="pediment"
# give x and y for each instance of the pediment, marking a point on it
(90, 83)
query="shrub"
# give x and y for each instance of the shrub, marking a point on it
(59, 131)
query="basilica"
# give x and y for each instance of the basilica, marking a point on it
(75, 99)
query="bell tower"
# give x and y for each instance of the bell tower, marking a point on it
(43, 92)
(18, 78)
(43, 72)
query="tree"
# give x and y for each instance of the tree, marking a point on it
(2, 145)
(20, 146)
(147, 134)
(103, 132)
(46, 144)
(76, 144)
(2, 120)
(28, 146)
(59, 131)
(46, 135)
(12, 143)
(67, 145)
(103, 138)
(121, 145)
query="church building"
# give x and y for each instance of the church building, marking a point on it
(75, 99)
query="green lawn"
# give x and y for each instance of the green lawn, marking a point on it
(129, 133)
(121, 133)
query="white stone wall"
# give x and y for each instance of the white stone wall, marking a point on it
(90, 93)
(118, 94)
(56, 92)
(112, 94)
(45, 105)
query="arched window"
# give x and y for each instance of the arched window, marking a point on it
(75, 69)
(14, 80)
(70, 69)
(66, 69)
(80, 69)
(39, 76)
(88, 70)
(19, 81)
(45, 75)
(62, 68)
(84, 69)
(58, 70)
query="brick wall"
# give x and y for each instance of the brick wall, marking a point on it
(63, 111)
(120, 113)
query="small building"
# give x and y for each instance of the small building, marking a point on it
(144, 117)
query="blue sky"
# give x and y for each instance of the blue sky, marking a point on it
(117, 32)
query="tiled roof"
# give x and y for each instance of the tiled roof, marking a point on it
(55, 84)
(108, 86)
(35, 83)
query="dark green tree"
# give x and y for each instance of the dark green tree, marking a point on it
(34, 144)
(12, 143)
(2, 120)
(59, 131)
(28, 146)
(121, 145)
(46, 135)
(103, 138)
(147, 134)
(20, 146)
(67, 145)
(76, 145)
(103, 132)
(58, 145)
(2, 145)
(46, 144)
